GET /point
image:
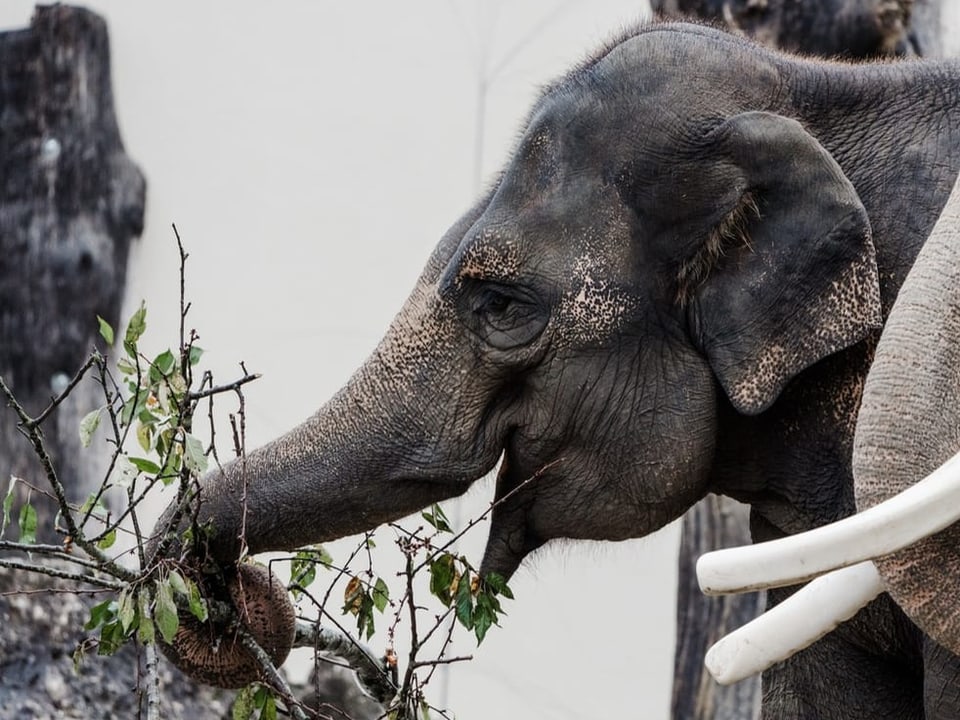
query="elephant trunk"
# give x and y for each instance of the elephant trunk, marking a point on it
(396, 438)
(909, 424)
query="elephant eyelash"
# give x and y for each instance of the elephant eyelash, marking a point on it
(730, 232)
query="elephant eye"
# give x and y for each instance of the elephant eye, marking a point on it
(504, 317)
(495, 302)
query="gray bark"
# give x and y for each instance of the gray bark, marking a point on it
(71, 202)
(713, 523)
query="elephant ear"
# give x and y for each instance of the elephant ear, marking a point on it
(801, 281)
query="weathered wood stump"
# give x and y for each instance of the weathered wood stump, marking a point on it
(71, 203)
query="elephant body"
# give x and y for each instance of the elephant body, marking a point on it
(675, 287)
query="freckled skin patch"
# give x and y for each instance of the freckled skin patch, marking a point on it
(491, 256)
(594, 312)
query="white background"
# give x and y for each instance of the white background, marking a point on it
(311, 154)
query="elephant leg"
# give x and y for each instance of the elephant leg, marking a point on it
(847, 675)
(941, 682)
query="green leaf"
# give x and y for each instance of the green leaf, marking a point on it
(165, 611)
(112, 638)
(161, 366)
(177, 583)
(106, 330)
(381, 594)
(264, 701)
(303, 569)
(171, 468)
(178, 385)
(195, 354)
(100, 614)
(28, 524)
(464, 602)
(198, 606)
(127, 613)
(481, 623)
(126, 367)
(94, 505)
(124, 472)
(79, 654)
(499, 586)
(145, 631)
(88, 426)
(133, 405)
(443, 574)
(8, 504)
(135, 328)
(193, 455)
(107, 541)
(145, 437)
(244, 706)
(436, 517)
(145, 466)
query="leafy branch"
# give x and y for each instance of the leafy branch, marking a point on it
(146, 424)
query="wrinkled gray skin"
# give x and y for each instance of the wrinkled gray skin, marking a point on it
(829, 28)
(674, 287)
(909, 423)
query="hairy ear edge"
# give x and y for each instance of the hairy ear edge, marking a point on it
(730, 233)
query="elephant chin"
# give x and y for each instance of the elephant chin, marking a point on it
(510, 539)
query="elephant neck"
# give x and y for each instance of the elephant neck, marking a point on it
(894, 129)
(792, 463)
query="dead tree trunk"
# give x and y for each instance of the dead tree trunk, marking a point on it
(713, 523)
(71, 204)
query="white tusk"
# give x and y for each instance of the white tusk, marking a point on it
(797, 622)
(918, 512)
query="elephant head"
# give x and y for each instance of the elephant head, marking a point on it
(633, 261)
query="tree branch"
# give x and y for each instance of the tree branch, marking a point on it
(54, 572)
(372, 673)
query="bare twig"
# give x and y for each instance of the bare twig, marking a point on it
(78, 376)
(274, 678)
(32, 432)
(479, 518)
(63, 574)
(229, 387)
(151, 665)
(372, 673)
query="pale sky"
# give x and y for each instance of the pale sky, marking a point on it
(311, 154)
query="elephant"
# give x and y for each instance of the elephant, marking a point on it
(674, 287)
(907, 427)
(830, 28)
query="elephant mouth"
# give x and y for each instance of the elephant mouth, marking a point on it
(511, 537)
